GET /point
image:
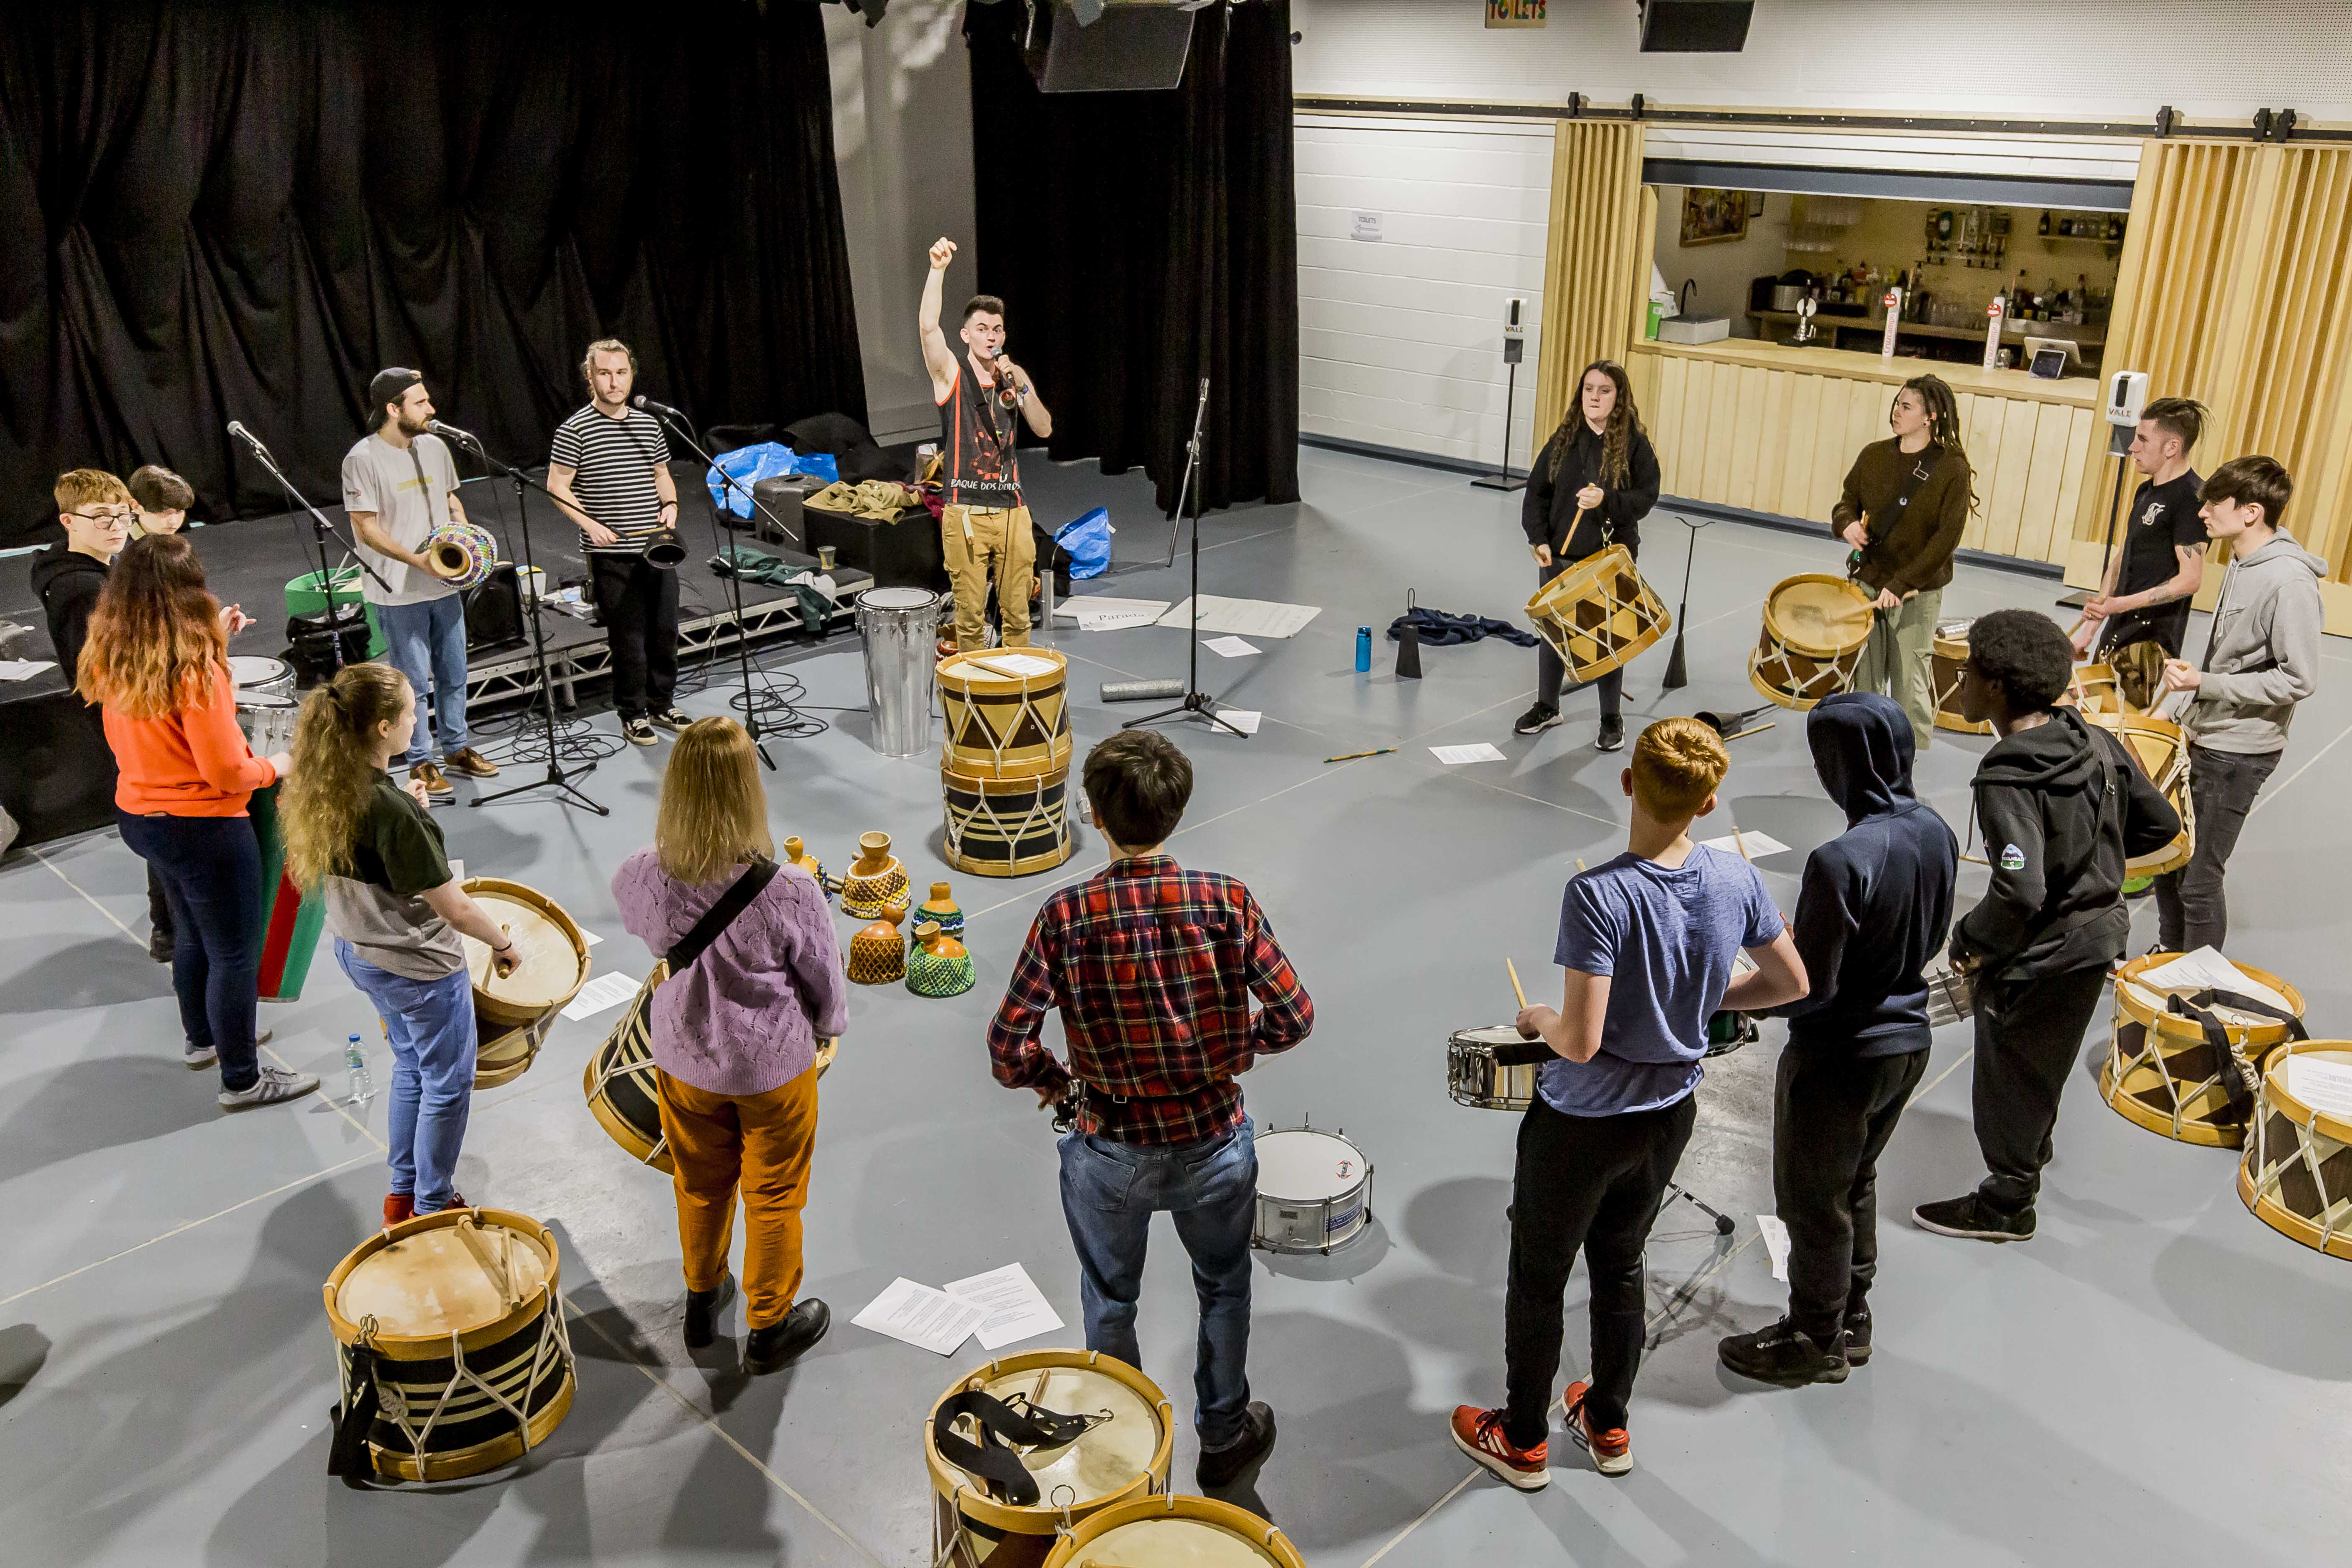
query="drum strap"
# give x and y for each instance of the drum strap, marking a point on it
(1002, 1429)
(1910, 488)
(2236, 1074)
(720, 915)
(350, 1422)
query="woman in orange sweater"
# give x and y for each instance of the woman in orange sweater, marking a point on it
(156, 663)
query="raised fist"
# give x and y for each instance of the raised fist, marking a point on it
(942, 252)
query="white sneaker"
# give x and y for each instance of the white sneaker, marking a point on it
(273, 1087)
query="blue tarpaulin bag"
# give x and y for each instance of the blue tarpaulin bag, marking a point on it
(1087, 540)
(770, 459)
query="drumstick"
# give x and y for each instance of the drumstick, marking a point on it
(1757, 730)
(1516, 991)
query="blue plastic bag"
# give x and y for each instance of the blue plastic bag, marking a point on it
(770, 459)
(1089, 542)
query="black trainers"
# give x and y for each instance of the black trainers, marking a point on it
(160, 945)
(1537, 719)
(1857, 1336)
(1971, 1219)
(765, 1349)
(674, 719)
(702, 1309)
(1613, 733)
(1218, 1467)
(1783, 1354)
(638, 732)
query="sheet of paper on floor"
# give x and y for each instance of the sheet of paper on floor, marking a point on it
(1229, 647)
(1116, 620)
(22, 668)
(1776, 1244)
(917, 1315)
(1017, 1309)
(609, 989)
(590, 936)
(1243, 719)
(1454, 756)
(1109, 604)
(1759, 845)
(1244, 618)
(2324, 1085)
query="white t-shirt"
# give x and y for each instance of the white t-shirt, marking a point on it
(409, 492)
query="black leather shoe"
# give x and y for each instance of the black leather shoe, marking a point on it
(1613, 733)
(702, 1309)
(765, 1349)
(1218, 1467)
(1784, 1355)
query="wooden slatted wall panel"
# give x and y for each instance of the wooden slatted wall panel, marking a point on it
(1597, 234)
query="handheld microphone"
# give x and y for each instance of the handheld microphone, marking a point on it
(237, 429)
(650, 407)
(451, 432)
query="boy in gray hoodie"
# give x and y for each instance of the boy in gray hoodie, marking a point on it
(2262, 658)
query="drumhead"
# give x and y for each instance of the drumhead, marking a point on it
(549, 968)
(1821, 614)
(1111, 1455)
(253, 670)
(442, 1280)
(896, 599)
(1171, 1541)
(1492, 1035)
(1297, 1164)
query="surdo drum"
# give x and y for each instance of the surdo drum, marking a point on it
(1816, 627)
(1474, 1077)
(1599, 614)
(1175, 1533)
(1314, 1190)
(1005, 719)
(1006, 827)
(2296, 1176)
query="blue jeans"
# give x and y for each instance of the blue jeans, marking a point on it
(430, 1024)
(1109, 1192)
(211, 871)
(427, 643)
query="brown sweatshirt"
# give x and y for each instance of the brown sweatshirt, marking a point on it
(1911, 547)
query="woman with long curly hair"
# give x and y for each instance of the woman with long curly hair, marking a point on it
(1590, 487)
(156, 664)
(1904, 508)
(396, 912)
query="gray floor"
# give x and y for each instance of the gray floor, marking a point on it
(2156, 1378)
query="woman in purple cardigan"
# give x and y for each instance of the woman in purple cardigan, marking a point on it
(735, 1037)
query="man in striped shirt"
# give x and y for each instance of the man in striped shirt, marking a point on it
(609, 472)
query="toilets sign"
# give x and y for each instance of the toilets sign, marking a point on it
(1515, 12)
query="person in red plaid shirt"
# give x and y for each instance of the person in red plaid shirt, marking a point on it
(1152, 967)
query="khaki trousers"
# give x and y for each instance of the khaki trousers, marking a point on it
(975, 541)
(763, 1143)
(1900, 659)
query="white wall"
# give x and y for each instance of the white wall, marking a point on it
(1401, 339)
(902, 143)
(2214, 59)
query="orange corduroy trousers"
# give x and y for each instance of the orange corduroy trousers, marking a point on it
(761, 1143)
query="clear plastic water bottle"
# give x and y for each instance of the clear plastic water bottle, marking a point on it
(355, 1062)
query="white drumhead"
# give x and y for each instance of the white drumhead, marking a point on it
(253, 670)
(550, 966)
(1108, 1456)
(896, 599)
(442, 1280)
(1171, 1541)
(1300, 1166)
(1493, 1035)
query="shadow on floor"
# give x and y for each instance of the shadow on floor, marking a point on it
(106, 1102)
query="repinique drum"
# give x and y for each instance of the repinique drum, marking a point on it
(2163, 1071)
(1007, 714)
(619, 1080)
(1474, 1078)
(2296, 1176)
(554, 955)
(1815, 626)
(899, 627)
(460, 554)
(1952, 652)
(1006, 827)
(1175, 1531)
(453, 1318)
(2161, 748)
(1121, 1456)
(1314, 1190)
(1599, 614)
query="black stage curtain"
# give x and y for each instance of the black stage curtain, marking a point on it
(232, 209)
(1142, 240)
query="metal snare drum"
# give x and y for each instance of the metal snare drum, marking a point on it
(1474, 1078)
(1314, 1190)
(266, 704)
(253, 675)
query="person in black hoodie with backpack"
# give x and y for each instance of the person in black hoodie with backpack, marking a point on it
(2063, 806)
(1873, 913)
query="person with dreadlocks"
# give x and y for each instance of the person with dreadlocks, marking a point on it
(1590, 487)
(1905, 506)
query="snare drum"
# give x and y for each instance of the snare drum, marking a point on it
(2161, 749)
(2296, 1176)
(1314, 1190)
(266, 707)
(1816, 627)
(2162, 1072)
(552, 961)
(454, 1317)
(1122, 1455)
(1006, 717)
(260, 676)
(1951, 653)
(1472, 1077)
(1175, 1531)
(1006, 827)
(1598, 614)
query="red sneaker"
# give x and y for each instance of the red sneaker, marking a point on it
(1612, 1450)
(398, 1206)
(1479, 1433)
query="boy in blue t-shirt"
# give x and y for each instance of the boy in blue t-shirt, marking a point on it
(1648, 941)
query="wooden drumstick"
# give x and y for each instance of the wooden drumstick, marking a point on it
(1516, 990)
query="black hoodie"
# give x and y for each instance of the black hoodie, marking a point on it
(1877, 899)
(67, 582)
(2063, 806)
(1548, 510)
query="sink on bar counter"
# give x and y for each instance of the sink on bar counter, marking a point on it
(1772, 429)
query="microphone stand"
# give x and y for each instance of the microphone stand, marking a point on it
(320, 532)
(1197, 704)
(558, 776)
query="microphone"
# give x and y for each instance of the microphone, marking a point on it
(451, 432)
(237, 429)
(650, 407)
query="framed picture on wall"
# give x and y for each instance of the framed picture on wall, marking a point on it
(1712, 216)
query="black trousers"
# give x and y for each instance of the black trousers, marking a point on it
(1588, 1184)
(1831, 1116)
(2029, 1036)
(2192, 906)
(159, 906)
(638, 603)
(1550, 671)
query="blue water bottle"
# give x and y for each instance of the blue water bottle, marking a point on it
(1364, 650)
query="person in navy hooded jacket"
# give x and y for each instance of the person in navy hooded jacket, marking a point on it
(1874, 910)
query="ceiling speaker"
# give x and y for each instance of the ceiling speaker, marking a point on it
(1128, 46)
(1695, 26)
